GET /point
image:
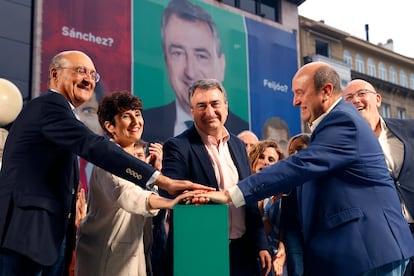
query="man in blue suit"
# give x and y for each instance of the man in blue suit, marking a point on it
(211, 155)
(348, 205)
(39, 174)
(396, 139)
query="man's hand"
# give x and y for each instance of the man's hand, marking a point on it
(80, 206)
(265, 262)
(175, 187)
(279, 259)
(222, 197)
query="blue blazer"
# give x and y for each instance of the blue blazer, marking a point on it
(165, 117)
(349, 209)
(39, 175)
(404, 131)
(185, 157)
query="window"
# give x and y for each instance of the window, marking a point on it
(229, 2)
(412, 81)
(269, 9)
(247, 5)
(322, 48)
(393, 75)
(385, 110)
(401, 113)
(382, 71)
(403, 78)
(359, 64)
(372, 69)
(348, 58)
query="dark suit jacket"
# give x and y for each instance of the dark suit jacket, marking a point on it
(160, 122)
(404, 131)
(185, 157)
(350, 212)
(39, 175)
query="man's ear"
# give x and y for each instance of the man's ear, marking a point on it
(53, 74)
(379, 99)
(327, 89)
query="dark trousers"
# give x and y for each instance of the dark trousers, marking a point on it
(15, 264)
(243, 259)
(409, 270)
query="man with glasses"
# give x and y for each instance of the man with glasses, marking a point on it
(396, 139)
(348, 207)
(208, 153)
(192, 50)
(39, 174)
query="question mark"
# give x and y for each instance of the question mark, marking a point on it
(111, 41)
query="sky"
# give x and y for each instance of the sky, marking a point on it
(387, 19)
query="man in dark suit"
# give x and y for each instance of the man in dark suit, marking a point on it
(396, 139)
(192, 51)
(211, 155)
(348, 205)
(39, 174)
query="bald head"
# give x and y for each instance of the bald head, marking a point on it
(365, 98)
(73, 74)
(316, 87)
(357, 84)
(249, 138)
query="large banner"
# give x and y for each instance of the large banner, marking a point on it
(102, 29)
(272, 64)
(158, 48)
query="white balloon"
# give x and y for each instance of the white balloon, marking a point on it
(11, 102)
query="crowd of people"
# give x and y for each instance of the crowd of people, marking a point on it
(342, 188)
(81, 192)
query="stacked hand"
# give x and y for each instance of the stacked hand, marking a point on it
(214, 196)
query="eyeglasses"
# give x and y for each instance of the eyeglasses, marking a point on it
(362, 93)
(82, 70)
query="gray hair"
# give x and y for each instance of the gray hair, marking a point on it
(188, 11)
(326, 74)
(206, 84)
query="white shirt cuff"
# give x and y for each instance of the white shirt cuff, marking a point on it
(236, 196)
(150, 183)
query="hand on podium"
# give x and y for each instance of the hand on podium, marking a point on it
(175, 187)
(222, 197)
(158, 202)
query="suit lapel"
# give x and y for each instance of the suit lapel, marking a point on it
(236, 155)
(202, 155)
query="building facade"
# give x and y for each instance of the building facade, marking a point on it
(391, 74)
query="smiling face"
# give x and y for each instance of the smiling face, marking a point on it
(190, 53)
(127, 127)
(316, 87)
(209, 110)
(306, 96)
(367, 103)
(75, 87)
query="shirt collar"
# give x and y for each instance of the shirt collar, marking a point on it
(71, 105)
(316, 122)
(208, 139)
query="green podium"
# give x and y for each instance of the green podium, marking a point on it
(201, 240)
